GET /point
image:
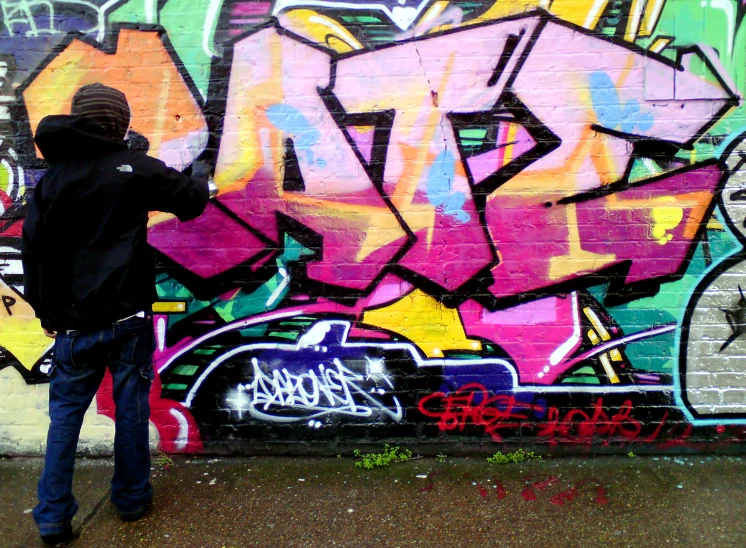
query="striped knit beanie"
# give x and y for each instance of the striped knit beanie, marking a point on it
(105, 105)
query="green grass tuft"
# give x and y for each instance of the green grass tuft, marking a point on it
(514, 456)
(163, 460)
(379, 460)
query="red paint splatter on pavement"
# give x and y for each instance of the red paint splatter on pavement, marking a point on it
(529, 493)
(601, 496)
(565, 496)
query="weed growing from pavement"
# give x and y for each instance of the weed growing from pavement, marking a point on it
(514, 456)
(163, 459)
(378, 460)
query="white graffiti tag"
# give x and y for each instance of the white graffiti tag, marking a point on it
(37, 17)
(313, 394)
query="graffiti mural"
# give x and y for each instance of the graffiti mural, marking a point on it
(511, 222)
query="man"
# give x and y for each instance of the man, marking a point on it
(90, 277)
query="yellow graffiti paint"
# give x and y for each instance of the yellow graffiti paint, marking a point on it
(696, 202)
(659, 44)
(364, 129)
(498, 10)
(384, 229)
(653, 9)
(429, 324)
(428, 18)
(169, 307)
(585, 13)
(5, 176)
(641, 18)
(501, 9)
(613, 379)
(634, 19)
(714, 224)
(665, 219)
(577, 259)
(512, 131)
(320, 29)
(596, 322)
(20, 331)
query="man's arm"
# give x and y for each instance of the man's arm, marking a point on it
(31, 250)
(171, 191)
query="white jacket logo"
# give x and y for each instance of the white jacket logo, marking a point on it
(125, 168)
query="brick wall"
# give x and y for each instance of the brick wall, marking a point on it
(452, 225)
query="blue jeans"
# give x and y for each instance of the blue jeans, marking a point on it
(79, 363)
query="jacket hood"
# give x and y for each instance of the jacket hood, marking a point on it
(63, 136)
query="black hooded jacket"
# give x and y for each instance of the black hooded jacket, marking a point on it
(86, 260)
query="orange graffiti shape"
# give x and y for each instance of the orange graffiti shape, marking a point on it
(163, 107)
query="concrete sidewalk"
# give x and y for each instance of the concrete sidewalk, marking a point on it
(224, 502)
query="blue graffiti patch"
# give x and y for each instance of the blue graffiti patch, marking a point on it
(290, 120)
(439, 193)
(610, 111)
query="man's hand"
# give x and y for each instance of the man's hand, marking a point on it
(50, 334)
(202, 169)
